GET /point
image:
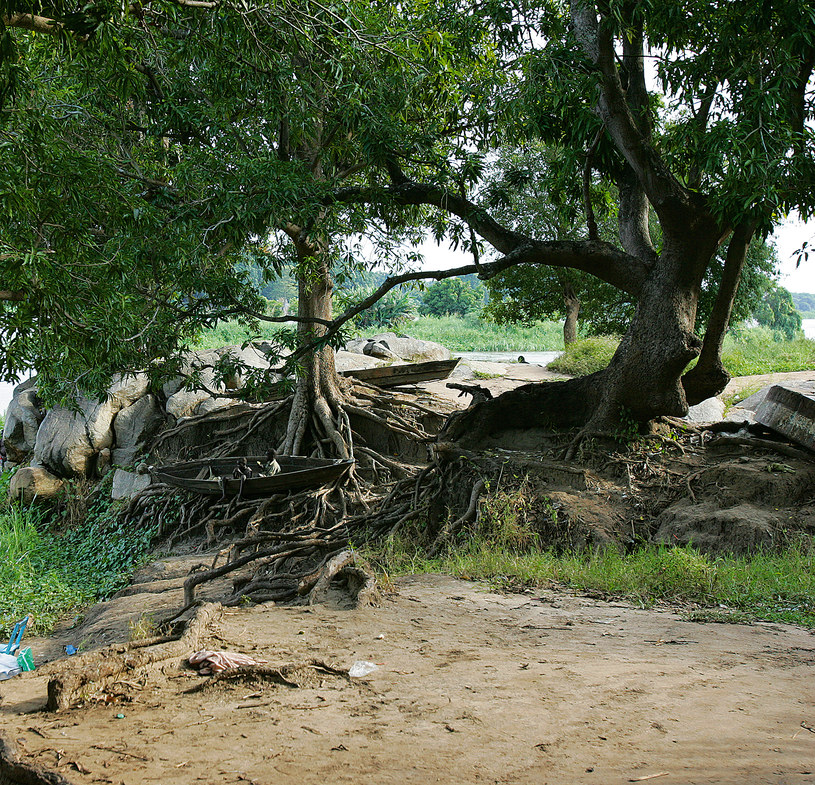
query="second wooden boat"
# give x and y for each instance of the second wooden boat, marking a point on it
(411, 373)
(789, 412)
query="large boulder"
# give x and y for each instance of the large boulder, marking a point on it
(185, 403)
(133, 426)
(352, 361)
(214, 405)
(127, 484)
(740, 529)
(194, 363)
(23, 419)
(709, 410)
(410, 349)
(30, 482)
(68, 441)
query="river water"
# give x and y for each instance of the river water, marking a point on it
(535, 358)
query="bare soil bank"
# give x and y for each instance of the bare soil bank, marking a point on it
(471, 687)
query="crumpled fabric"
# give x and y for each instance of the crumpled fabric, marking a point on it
(207, 662)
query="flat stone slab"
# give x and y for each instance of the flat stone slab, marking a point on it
(790, 412)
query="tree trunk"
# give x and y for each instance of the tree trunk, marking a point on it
(316, 417)
(709, 377)
(572, 307)
(643, 379)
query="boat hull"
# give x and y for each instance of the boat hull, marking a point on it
(412, 373)
(295, 473)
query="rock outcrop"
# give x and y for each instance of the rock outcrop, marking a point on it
(88, 440)
(401, 347)
(23, 418)
(34, 482)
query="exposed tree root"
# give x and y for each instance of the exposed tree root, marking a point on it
(15, 770)
(77, 680)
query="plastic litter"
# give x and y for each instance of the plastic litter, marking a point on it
(25, 659)
(69, 650)
(9, 666)
(362, 668)
(208, 662)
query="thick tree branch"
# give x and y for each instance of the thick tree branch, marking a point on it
(709, 377)
(671, 201)
(603, 260)
(37, 24)
(591, 221)
(14, 296)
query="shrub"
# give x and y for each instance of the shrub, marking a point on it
(585, 356)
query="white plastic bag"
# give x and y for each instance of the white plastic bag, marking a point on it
(361, 668)
(8, 666)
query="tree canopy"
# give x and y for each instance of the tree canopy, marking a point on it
(161, 142)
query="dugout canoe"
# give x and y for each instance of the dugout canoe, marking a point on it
(790, 412)
(412, 373)
(295, 473)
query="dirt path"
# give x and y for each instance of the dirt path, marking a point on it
(471, 687)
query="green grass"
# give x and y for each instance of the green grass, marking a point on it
(51, 568)
(471, 334)
(752, 351)
(460, 334)
(755, 351)
(234, 333)
(771, 586)
(585, 356)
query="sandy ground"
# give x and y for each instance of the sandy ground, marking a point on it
(471, 687)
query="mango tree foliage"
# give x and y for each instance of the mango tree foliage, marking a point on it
(717, 149)
(151, 152)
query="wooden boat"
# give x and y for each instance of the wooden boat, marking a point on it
(412, 373)
(203, 476)
(790, 412)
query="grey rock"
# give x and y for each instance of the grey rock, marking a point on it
(351, 361)
(738, 414)
(68, 441)
(23, 419)
(184, 402)
(133, 426)
(740, 529)
(214, 404)
(127, 484)
(29, 482)
(709, 410)
(410, 349)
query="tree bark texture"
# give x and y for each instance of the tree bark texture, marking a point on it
(572, 309)
(318, 398)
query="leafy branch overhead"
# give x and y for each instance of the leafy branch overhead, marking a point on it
(149, 150)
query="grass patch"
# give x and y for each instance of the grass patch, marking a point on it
(472, 334)
(52, 567)
(586, 356)
(771, 586)
(235, 333)
(756, 351)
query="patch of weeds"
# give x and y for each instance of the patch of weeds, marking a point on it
(61, 559)
(734, 399)
(506, 520)
(586, 356)
(717, 616)
(143, 628)
(485, 375)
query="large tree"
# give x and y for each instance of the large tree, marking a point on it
(317, 121)
(718, 154)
